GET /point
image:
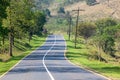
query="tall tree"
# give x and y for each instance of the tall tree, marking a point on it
(3, 15)
(40, 19)
(19, 13)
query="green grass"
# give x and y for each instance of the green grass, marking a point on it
(80, 56)
(59, 1)
(21, 49)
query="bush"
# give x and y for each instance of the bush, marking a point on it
(86, 29)
(90, 2)
(4, 48)
(61, 10)
(106, 30)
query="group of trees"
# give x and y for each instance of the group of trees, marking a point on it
(91, 2)
(19, 19)
(61, 10)
(41, 4)
(68, 2)
(103, 34)
(106, 36)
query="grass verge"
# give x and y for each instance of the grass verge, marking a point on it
(21, 49)
(80, 57)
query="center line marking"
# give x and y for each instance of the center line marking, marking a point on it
(52, 78)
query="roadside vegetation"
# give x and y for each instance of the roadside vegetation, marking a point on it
(97, 47)
(103, 36)
(81, 56)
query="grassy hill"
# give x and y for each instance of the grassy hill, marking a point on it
(101, 10)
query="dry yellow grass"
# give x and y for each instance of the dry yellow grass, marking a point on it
(101, 10)
(4, 57)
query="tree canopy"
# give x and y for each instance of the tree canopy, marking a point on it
(19, 18)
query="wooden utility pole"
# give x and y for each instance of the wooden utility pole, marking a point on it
(68, 16)
(69, 26)
(78, 10)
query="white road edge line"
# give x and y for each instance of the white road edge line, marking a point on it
(52, 78)
(81, 66)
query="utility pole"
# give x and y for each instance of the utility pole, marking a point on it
(69, 24)
(78, 10)
(70, 19)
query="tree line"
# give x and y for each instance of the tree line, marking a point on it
(19, 19)
(103, 35)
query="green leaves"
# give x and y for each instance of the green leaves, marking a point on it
(86, 29)
(3, 5)
(61, 10)
(102, 24)
(21, 20)
(106, 33)
(40, 20)
(90, 2)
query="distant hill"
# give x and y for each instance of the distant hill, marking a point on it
(103, 8)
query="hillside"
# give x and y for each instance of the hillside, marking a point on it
(101, 10)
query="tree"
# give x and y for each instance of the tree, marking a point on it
(40, 20)
(106, 30)
(3, 6)
(19, 13)
(47, 12)
(3, 15)
(109, 44)
(3, 34)
(61, 10)
(19, 19)
(104, 23)
(86, 30)
(90, 2)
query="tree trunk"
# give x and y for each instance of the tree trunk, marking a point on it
(3, 39)
(13, 38)
(10, 36)
(30, 36)
(99, 53)
(69, 32)
(10, 44)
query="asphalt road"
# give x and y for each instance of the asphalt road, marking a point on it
(48, 63)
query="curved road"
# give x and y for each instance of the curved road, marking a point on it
(48, 63)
